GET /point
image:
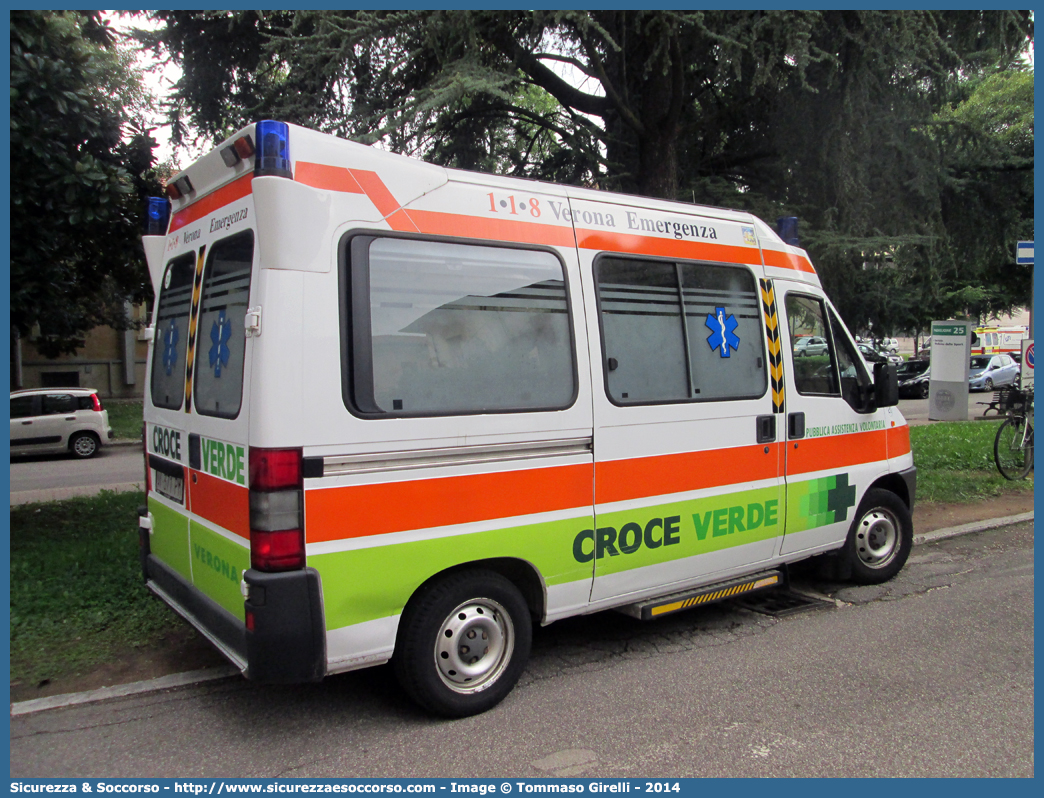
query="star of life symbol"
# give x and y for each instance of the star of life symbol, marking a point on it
(723, 332)
(170, 347)
(219, 353)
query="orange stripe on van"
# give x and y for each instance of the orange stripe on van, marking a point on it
(383, 200)
(665, 247)
(454, 224)
(787, 260)
(363, 510)
(222, 503)
(327, 178)
(835, 451)
(236, 190)
(641, 477)
(898, 439)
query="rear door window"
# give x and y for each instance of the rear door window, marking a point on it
(55, 403)
(221, 340)
(171, 338)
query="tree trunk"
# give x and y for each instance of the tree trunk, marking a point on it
(658, 165)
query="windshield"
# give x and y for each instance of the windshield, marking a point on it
(980, 362)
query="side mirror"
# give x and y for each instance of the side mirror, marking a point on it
(886, 385)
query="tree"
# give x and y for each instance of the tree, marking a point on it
(80, 167)
(422, 79)
(838, 117)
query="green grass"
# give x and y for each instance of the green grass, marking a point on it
(955, 463)
(77, 594)
(125, 419)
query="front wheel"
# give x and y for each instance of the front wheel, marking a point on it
(924, 391)
(879, 539)
(987, 384)
(1013, 448)
(463, 642)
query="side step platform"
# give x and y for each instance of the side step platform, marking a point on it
(675, 602)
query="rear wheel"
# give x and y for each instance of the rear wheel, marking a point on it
(463, 642)
(924, 390)
(84, 445)
(880, 538)
(1013, 448)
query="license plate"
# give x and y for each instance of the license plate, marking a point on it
(170, 486)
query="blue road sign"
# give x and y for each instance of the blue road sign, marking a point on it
(1024, 252)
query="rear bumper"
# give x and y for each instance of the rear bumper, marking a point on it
(286, 641)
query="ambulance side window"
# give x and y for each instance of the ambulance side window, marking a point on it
(437, 328)
(221, 339)
(815, 370)
(651, 355)
(171, 339)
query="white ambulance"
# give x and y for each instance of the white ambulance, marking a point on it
(400, 412)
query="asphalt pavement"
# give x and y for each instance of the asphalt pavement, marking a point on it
(929, 675)
(41, 478)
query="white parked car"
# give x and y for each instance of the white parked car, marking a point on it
(54, 420)
(889, 345)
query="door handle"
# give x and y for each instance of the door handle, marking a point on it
(795, 426)
(766, 429)
(26, 423)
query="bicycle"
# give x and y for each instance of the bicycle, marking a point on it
(1013, 446)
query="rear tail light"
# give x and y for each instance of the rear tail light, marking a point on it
(98, 405)
(276, 505)
(275, 469)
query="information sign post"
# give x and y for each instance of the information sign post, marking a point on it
(948, 386)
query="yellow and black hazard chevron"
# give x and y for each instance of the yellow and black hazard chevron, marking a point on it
(775, 345)
(197, 288)
(654, 608)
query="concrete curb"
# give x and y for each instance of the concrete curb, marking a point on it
(974, 526)
(212, 674)
(123, 690)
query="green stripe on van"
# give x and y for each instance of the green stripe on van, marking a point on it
(217, 567)
(366, 584)
(660, 533)
(169, 539)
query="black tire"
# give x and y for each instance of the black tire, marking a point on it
(879, 539)
(987, 384)
(1013, 459)
(463, 606)
(84, 445)
(924, 390)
